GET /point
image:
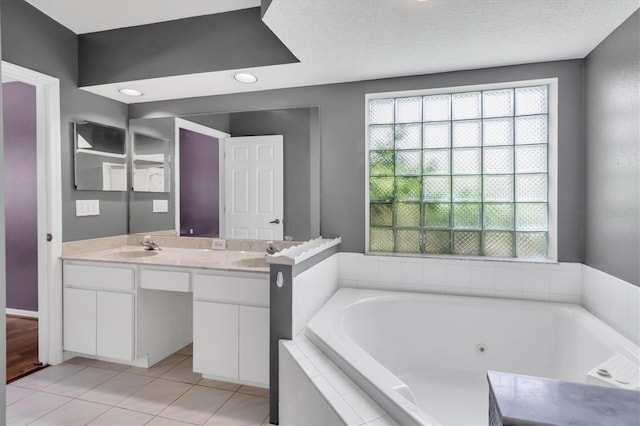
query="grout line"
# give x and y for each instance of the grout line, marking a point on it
(49, 412)
(105, 405)
(220, 407)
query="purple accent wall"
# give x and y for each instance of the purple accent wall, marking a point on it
(199, 185)
(20, 195)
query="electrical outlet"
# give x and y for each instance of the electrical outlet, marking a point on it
(160, 206)
(87, 207)
(218, 244)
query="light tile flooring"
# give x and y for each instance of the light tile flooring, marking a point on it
(84, 391)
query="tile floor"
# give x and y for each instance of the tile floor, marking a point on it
(84, 391)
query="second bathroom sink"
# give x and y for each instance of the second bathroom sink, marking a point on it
(252, 262)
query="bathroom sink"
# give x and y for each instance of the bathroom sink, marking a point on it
(135, 254)
(252, 262)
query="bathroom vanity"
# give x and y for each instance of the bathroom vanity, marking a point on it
(128, 305)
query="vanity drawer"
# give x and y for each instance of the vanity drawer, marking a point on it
(98, 277)
(238, 290)
(165, 279)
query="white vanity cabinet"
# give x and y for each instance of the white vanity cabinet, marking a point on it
(253, 344)
(231, 327)
(126, 312)
(140, 314)
(98, 310)
(165, 278)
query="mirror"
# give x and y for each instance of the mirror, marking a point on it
(301, 187)
(150, 157)
(100, 162)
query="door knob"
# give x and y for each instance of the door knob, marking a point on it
(276, 221)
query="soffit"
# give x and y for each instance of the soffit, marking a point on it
(341, 41)
(86, 16)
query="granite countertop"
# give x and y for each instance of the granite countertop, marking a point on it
(222, 260)
(527, 400)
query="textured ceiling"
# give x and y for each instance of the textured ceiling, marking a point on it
(340, 41)
(373, 39)
(85, 16)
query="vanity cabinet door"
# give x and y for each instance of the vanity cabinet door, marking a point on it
(115, 325)
(215, 339)
(79, 319)
(254, 345)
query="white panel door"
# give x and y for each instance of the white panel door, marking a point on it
(79, 321)
(254, 345)
(254, 187)
(115, 325)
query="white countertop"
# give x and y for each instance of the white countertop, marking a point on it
(224, 260)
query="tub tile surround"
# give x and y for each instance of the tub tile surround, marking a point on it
(312, 385)
(556, 282)
(614, 301)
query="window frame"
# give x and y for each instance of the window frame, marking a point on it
(552, 159)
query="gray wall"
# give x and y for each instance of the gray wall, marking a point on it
(221, 122)
(612, 207)
(224, 41)
(21, 194)
(342, 128)
(35, 41)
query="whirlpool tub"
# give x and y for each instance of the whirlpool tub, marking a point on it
(423, 358)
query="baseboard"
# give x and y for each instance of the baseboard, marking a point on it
(22, 313)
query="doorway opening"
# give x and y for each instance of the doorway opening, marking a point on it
(32, 203)
(199, 194)
(19, 109)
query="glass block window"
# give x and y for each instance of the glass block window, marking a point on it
(461, 173)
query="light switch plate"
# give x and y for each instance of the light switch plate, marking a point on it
(160, 206)
(87, 207)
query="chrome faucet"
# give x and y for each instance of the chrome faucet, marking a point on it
(271, 248)
(148, 243)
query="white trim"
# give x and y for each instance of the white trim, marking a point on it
(49, 209)
(552, 158)
(22, 313)
(552, 172)
(208, 131)
(458, 89)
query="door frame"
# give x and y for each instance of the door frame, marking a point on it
(208, 131)
(49, 194)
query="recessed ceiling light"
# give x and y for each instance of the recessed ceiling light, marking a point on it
(130, 92)
(244, 77)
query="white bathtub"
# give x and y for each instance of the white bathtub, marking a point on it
(423, 358)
